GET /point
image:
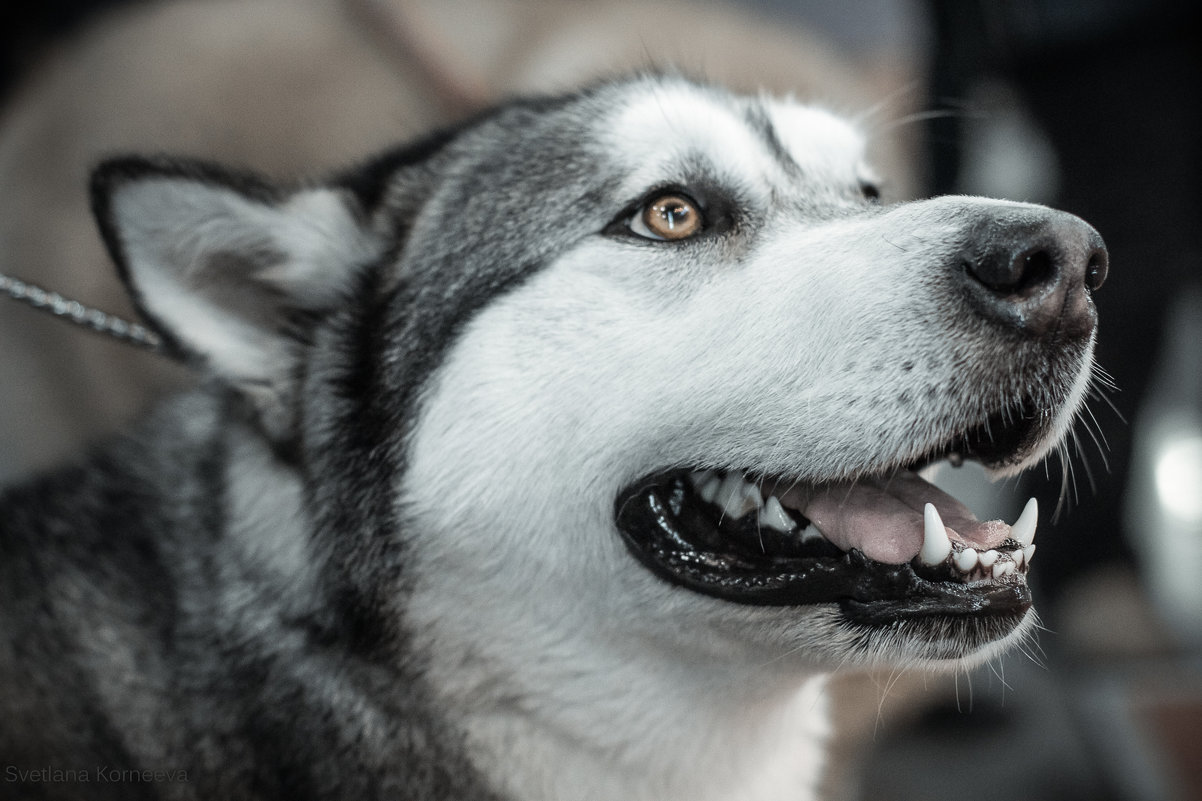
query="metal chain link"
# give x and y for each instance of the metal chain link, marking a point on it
(75, 312)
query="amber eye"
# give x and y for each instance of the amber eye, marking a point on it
(667, 217)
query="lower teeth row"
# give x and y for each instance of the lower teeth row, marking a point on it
(991, 563)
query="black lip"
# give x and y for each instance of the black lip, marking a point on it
(1008, 437)
(1004, 439)
(654, 519)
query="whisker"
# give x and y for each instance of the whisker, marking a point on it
(1065, 467)
(1101, 444)
(998, 669)
(1101, 376)
(1103, 386)
(888, 100)
(1068, 460)
(921, 116)
(759, 527)
(1093, 487)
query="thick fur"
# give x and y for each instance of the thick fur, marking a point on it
(375, 556)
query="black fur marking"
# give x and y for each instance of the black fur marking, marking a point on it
(368, 422)
(759, 121)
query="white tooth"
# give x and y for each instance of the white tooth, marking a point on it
(737, 497)
(1017, 556)
(811, 533)
(966, 560)
(700, 477)
(738, 507)
(935, 543)
(1023, 529)
(730, 489)
(987, 558)
(1002, 568)
(1028, 552)
(709, 490)
(753, 494)
(775, 516)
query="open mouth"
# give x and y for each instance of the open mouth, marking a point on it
(884, 547)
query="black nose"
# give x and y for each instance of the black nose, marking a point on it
(1035, 270)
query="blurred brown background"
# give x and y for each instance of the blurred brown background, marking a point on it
(1091, 106)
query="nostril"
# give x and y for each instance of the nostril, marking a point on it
(1014, 275)
(1036, 269)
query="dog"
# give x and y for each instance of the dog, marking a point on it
(558, 455)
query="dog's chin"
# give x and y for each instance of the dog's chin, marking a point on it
(937, 643)
(950, 586)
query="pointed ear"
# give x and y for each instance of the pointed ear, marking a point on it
(230, 269)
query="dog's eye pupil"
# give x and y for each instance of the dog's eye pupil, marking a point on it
(672, 217)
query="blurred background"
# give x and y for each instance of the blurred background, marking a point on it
(1094, 107)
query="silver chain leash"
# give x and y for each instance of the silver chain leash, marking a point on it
(75, 312)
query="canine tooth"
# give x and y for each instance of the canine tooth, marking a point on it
(811, 533)
(966, 560)
(1017, 556)
(935, 543)
(1028, 552)
(1023, 529)
(987, 558)
(774, 515)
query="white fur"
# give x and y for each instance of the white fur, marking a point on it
(661, 125)
(603, 681)
(819, 141)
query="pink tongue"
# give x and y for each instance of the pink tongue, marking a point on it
(883, 517)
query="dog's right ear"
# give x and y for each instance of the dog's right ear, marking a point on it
(230, 269)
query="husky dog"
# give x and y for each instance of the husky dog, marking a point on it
(555, 456)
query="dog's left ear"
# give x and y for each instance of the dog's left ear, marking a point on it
(229, 269)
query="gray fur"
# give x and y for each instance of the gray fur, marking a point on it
(138, 636)
(252, 586)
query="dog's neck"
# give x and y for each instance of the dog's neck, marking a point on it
(627, 719)
(642, 737)
(601, 711)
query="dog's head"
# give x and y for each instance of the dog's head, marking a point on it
(647, 366)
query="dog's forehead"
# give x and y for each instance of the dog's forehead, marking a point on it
(658, 126)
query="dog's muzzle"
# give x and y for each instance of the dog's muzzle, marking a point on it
(890, 546)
